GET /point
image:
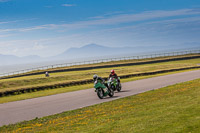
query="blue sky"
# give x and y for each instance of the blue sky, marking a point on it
(49, 27)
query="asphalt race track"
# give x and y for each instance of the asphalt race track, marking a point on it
(43, 106)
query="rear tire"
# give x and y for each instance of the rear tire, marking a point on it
(100, 93)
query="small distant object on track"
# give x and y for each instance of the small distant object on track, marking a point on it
(46, 74)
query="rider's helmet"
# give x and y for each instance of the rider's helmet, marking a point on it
(95, 77)
(112, 72)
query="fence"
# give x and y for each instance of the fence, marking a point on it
(104, 60)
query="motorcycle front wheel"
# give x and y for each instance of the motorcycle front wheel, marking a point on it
(100, 93)
(111, 93)
(119, 87)
(113, 87)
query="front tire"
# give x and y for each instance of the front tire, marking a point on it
(119, 87)
(100, 93)
(111, 93)
(113, 87)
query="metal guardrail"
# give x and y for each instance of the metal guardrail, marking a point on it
(103, 60)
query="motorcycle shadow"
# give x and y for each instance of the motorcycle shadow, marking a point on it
(122, 91)
(111, 97)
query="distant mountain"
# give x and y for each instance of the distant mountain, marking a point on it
(31, 58)
(87, 51)
(94, 50)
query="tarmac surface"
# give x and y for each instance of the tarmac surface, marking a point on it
(18, 111)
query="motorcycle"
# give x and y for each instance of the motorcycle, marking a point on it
(102, 90)
(113, 84)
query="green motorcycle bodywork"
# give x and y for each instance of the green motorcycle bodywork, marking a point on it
(113, 83)
(100, 85)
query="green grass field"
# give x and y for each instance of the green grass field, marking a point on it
(30, 81)
(171, 109)
(15, 83)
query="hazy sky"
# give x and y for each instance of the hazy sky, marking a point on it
(49, 27)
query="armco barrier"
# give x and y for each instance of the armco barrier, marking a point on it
(38, 88)
(105, 66)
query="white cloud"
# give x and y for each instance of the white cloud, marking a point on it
(4, 0)
(68, 5)
(150, 31)
(38, 46)
(15, 50)
(24, 47)
(49, 26)
(6, 35)
(6, 22)
(112, 20)
(15, 21)
(126, 18)
(106, 15)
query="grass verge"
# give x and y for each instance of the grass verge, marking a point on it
(171, 109)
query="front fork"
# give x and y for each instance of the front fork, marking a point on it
(105, 93)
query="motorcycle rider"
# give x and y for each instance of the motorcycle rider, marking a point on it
(46, 74)
(96, 78)
(114, 75)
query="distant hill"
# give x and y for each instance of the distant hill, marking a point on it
(87, 51)
(94, 50)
